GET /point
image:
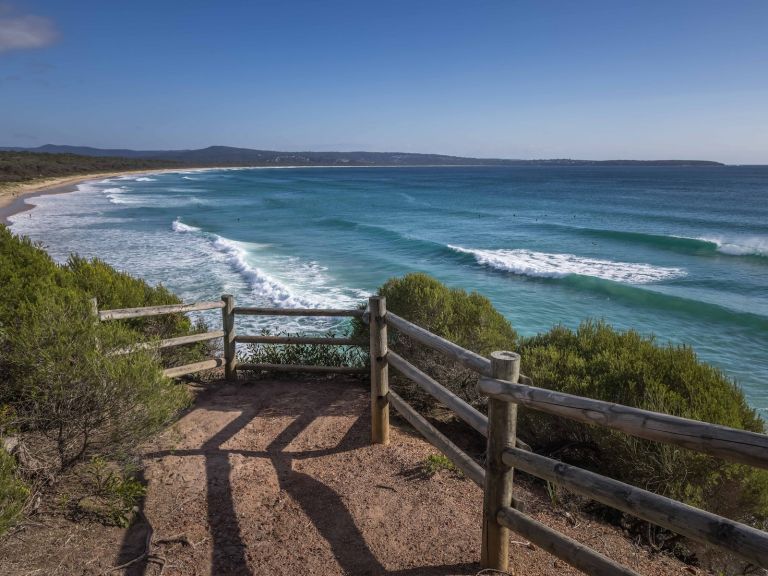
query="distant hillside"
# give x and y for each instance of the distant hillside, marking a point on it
(229, 156)
(24, 166)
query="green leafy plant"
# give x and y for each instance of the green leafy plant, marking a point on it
(466, 318)
(434, 463)
(597, 361)
(14, 493)
(305, 354)
(62, 393)
(114, 492)
(554, 499)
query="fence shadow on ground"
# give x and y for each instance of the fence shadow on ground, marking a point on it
(322, 505)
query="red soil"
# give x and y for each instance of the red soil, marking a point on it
(278, 477)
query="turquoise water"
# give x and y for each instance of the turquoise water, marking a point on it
(679, 252)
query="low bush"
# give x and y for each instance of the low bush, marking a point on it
(466, 318)
(63, 395)
(306, 354)
(597, 361)
(72, 399)
(112, 493)
(13, 492)
(434, 463)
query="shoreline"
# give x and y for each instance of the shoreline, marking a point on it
(13, 198)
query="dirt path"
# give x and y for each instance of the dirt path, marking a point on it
(277, 477)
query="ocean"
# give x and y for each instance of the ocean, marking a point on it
(679, 252)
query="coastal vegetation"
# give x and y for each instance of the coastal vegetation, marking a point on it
(65, 399)
(232, 156)
(307, 354)
(595, 361)
(17, 166)
(466, 318)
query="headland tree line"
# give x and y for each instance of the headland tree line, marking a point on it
(24, 164)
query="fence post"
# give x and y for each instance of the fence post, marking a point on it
(95, 311)
(228, 323)
(502, 423)
(379, 371)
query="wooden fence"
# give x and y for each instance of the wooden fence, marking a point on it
(230, 338)
(500, 380)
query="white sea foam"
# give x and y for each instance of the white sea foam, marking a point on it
(739, 246)
(542, 264)
(118, 195)
(306, 285)
(145, 179)
(262, 283)
(179, 226)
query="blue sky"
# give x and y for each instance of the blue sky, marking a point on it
(513, 79)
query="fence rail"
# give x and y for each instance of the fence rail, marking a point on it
(171, 342)
(324, 312)
(230, 338)
(728, 443)
(500, 380)
(686, 520)
(124, 313)
(503, 446)
(296, 340)
(567, 549)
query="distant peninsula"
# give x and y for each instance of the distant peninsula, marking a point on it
(230, 156)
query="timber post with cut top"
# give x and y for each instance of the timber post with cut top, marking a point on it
(502, 423)
(379, 371)
(228, 323)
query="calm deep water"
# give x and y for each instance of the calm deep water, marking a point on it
(679, 252)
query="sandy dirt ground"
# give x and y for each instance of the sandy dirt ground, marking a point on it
(278, 477)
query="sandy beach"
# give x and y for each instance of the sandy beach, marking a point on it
(14, 197)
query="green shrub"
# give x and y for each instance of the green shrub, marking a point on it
(114, 289)
(468, 319)
(13, 492)
(436, 462)
(70, 399)
(597, 361)
(67, 396)
(113, 493)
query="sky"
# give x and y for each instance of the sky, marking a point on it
(672, 79)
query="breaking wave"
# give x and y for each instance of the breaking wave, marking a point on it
(732, 245)
(544, 265)
(277, 292)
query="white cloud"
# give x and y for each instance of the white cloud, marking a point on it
(25, 31)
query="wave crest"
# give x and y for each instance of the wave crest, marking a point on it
(179, 226)
(747, 246)
(316, 295)
(545, 265)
